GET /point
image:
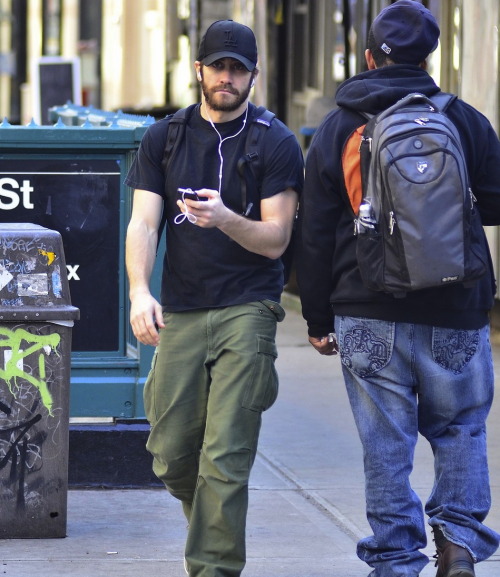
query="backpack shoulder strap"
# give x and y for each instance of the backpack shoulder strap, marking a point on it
(261, 121)
(443, 100)
(263, 116)
(175, 134)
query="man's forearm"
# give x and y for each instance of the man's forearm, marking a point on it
(140, 254)
(269, 236)
(264, 238)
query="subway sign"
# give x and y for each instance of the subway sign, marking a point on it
(79, 198)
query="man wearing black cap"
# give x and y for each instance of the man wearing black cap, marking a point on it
(419, 364)
(213, 371)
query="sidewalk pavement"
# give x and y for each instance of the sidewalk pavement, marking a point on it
(306, 498)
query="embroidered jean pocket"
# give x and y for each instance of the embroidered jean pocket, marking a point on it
(262, 389)
(452, 349)
(365, 344)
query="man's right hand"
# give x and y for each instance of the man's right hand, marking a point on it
(325, 345)
(146, 318)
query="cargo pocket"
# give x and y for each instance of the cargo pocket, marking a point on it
(277, 310)
(262, 389)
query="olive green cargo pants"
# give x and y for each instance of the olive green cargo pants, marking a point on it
(212, 376)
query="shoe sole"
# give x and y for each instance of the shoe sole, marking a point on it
(458, 571)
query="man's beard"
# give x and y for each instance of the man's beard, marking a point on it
(225, 106)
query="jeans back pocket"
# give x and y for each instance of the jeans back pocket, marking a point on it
(365, 344)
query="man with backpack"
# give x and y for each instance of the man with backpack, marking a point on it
(228, 186)
(415, 353)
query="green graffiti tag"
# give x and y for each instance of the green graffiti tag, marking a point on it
(13, 341)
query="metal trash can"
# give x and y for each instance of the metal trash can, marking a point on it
(36, 319)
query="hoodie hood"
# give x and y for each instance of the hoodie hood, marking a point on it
(375, 90)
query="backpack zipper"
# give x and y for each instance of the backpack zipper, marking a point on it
(392, 222)
(473, 199)
(366, 139)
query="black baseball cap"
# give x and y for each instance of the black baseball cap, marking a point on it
(406, 31)
(228, 39)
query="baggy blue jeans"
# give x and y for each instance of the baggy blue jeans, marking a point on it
(403, 379)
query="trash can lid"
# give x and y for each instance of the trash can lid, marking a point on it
(33, 274)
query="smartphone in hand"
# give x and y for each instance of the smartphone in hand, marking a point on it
(191, 194)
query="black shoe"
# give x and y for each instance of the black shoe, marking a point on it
(451, 560)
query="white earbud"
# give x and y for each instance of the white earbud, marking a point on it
(198, 75)
(253, 83)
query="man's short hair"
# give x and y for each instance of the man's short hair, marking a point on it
(379, 56)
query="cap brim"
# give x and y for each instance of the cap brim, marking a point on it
(249, 65)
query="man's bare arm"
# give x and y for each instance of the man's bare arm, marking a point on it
(140, 254)
(269, 236)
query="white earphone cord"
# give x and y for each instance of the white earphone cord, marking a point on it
(221, 140)
(187, 215)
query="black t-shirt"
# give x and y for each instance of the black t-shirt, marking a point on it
(204, 268)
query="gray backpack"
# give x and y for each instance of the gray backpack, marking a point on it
(417, 225)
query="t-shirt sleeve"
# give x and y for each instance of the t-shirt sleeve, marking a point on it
(146, 172)
(284, 166)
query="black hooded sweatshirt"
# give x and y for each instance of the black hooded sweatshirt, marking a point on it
(327, 271)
